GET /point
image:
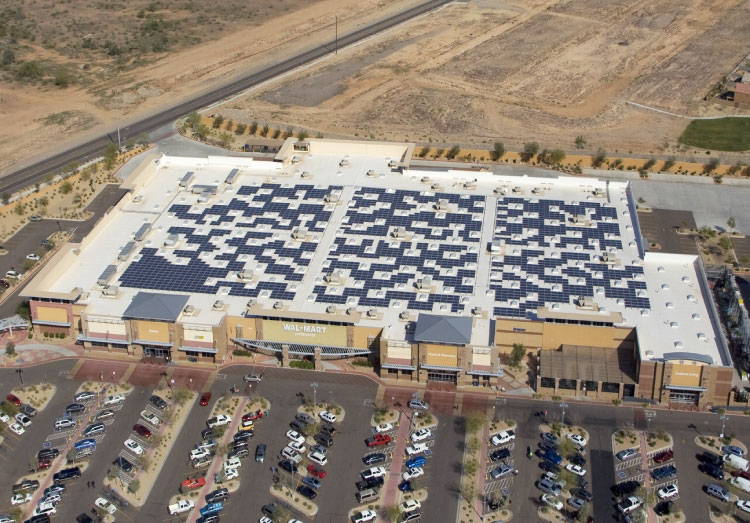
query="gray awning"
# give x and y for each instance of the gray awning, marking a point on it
(206, 350)
(433, 328)
(51, 323)
(692, 356)
(498, 373)
(152, 343)
(685, 387)
(83, 337)
(440, 367)
(396, 366)
(155, 306)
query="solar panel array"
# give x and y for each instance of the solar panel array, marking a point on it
(380, 269)
(250, 233)
(552, 254)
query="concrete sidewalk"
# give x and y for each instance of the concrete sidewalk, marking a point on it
(393, 478)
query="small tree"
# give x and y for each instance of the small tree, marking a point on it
(276, 134)
(264, 131)
(529, 151)
(66, 187)
(731, 223)
(10, 349)
(192, 120)
(225, 139)
(734, 169)
(229, 126)
(711, 165)
(302, 135)
(253, 128)
(668, 163)
(498, 151)
(201, 131)
(517, 354)
(649, 164)
(599, 158)
(217, 122)
(580, 142)
(423, 152)
(453, 152)
(240, 129)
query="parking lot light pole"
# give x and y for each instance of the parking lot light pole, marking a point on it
(20, 375)
(723, 419)
(650, 414)
(563, 406)
(314, 386)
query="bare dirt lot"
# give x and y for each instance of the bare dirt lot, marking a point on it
(71, 68)
(522, 70)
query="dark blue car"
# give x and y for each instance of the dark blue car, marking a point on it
(311, 482)
(552, 457)
(664, 472)
(405, 486)
(212, 508)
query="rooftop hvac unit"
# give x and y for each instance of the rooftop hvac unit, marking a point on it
(245, 275)
(278, 305)
(295, 159)
(305, 174)
(218, 305)
(424, 283)
(476, 311)
(138, 198)
(250, 303)
(404, 315)
(517, 189)
(126, 251)
(372, 313)
(435, 187)
(442, 204)
(392, 164)
(399, 232)
(344, 162)
(110, 291)
(351, 310)
(471, 184)
(495, 246)
(425, 179)
(171, 240)
(334, 277)
(333, 196)
(186, 179)
(142, 231)
(189, 310)
(232, 176)
(106, 275)
(300, 233)
(500, 190)
(331, 309)
(372, 173)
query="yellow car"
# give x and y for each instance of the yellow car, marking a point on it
(246, 425)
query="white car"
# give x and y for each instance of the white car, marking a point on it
(84, 396)
(33, 256)
(44, 508)
(290, 453)
(501, 438)
(384, 427)
(410, 505)
(421, 435)
(295, 436)
(133, 446)
(150, 417)
(577, 439)
(230, 474)
(23, 419)
(218, 421)
(199, 453)
(20, 499)
(373, 472)
(364, 516)
(412, 473)
(106, 505)
(417, 448)
(4, 418)
(181, 506)
(17, 428)
(232, 463)
(576, 469)
(114, 399)
(667, 491)
(299, 447)
(552, 501)
(330, 417)
(318, 457)
(743, 505)
(265, 519)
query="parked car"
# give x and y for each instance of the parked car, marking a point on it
(364, 516)
(501, 471)
(84, 396)
(123, 464)
(374, 458)
(549, 486)
(64, 423)
(416, 448)
(712, 470)
(253, 416)
(75, 408)
(577, 439)
(28, 410)
(311, 482)
(288, 466)
(412, 473)
(663, 457)
(50, 453)
(158, 402)
(378, 439)
(405, 486)
(373, 472)
(260, 453)
(150, 417)
(582, 493)
(711, 458)
(193, 483)
(418, 461)
(27, 485)
(663, 508)
(501, 438)
(497, 455)
(23, 420)
(552, 501)
(626, 454)
(141, 430)
(324, 439)
(220, 494)
(218, 421)
(625, 488)
(733, 449)
(549, 467)
(577, 459)
(421, 435)
(113, 400)
(629, 504)
(307, 492)
(105, 505)
(252, 378)
(384, 427)
(717, 491)
(743, 505)
(330, 417)
(316, 472)
(667, 491)
(550, 438)
(575, 469)
(66, 474)
(33, 256)
(104, 415)
(133, 446)
(94, 430)
(664, 472)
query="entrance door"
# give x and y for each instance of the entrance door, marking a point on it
(156, 352)
(690, 398)
(445, 377)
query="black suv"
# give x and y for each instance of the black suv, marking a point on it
(582, 493)
(66, 474)
(323, 438)
(158, 402)
(625, 488)
(711, 458)
(208, 433)
(269, 509)
(50, 453)
(217, 495)
(374, 458)
(500, 454)
(75, 408)
(288, 466)
(27, 485)
(260, 453)
(368, 483)
(242, 436)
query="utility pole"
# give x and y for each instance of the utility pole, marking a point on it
(119, 148)
(723, 419)
(563, 406)
(337, 36)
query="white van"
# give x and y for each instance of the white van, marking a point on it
(741, 483)
(367, 495)
(115, 399)
(736, 462)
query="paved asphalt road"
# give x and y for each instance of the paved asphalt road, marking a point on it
(28, 175)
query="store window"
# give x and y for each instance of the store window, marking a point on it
(548, 383)
(567, 384)
(608, 386)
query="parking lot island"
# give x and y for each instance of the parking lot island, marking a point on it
(38, 395)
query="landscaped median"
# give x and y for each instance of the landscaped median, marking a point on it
(296, 501)
(38, 396)
(137, 491)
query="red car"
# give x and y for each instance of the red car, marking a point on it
(141, 430)
(316, 472)
(205, 398)
(663, 457)
(252, 416)
(193, 483)
(44, 464)
(13, 399)
(378, 440)
(741, 474)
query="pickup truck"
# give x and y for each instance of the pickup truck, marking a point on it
(183, 505)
